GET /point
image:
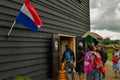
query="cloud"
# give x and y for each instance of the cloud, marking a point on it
(105, 15)
(107, 34)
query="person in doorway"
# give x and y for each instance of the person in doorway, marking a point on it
(80, 62)
(116, 54)
(69, 58)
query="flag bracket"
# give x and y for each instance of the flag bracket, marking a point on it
(11, 28)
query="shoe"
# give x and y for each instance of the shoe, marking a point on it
(115, 77)
(103, 77)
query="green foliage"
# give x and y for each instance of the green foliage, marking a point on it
(110, 51)
(114, 41)
(22, 78)
(109, 56)
(106, 41)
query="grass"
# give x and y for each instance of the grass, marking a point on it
(110, 51)
(109, 56)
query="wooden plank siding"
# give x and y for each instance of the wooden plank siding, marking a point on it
(25, 55)
(29, 53)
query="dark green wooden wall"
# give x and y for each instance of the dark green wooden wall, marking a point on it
(29, 54)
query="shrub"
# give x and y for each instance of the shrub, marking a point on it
(22, 78)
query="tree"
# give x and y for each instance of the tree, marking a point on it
(106, 41)
(114, 41)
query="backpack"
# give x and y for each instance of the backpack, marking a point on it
(97, 60)
(67, 55)
(104, 56)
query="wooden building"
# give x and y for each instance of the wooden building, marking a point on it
(37, 54)
(92, 38)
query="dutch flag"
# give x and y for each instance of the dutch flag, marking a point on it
(28, 17)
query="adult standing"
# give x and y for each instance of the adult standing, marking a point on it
(69, 58)
(104, 56)
(116, 54)
(103, 53)
(80, 62)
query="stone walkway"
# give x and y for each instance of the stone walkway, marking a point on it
(109, 73)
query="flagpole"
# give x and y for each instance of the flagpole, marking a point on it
(11, 28)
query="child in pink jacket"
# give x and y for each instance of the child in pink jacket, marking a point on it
(88, 62)
(89, 71)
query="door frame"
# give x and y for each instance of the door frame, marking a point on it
(72, 41)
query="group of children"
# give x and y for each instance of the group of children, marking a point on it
(90, 65)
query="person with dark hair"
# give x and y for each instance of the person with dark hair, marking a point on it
(80, 62)
(69, 58)
(89, 69)
(103, 55)
(99, 64)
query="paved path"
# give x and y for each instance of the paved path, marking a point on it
(109, 73)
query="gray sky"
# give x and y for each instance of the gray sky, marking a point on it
(105, 17)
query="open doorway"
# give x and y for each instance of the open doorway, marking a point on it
(67, 40)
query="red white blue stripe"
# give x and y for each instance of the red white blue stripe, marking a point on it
(28, 17)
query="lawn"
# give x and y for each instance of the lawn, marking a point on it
(109, 56)
(110, 51)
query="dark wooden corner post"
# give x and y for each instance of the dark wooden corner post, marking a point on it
(55, 56)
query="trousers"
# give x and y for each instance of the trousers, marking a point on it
(69, 66)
